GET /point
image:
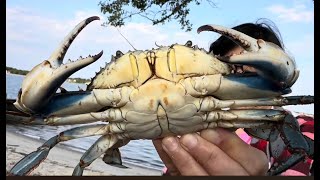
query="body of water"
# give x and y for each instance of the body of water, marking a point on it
(138, 152)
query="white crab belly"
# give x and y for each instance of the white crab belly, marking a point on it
(161, 108)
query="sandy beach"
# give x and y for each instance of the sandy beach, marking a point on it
(61, 160)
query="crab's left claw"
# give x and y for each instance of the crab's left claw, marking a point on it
(267, 58)
(42, 81)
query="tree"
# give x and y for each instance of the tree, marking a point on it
(157, 11)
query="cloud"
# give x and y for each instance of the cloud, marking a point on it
(302, 47)
(32, 37)
(297, 13)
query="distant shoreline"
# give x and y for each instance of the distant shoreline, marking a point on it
(11, 70)
(25, 75)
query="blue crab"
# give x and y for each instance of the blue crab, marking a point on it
(172, 90)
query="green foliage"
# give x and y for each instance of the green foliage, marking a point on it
(157, 11)
(78, 80)
(16, 71)
(24, 72)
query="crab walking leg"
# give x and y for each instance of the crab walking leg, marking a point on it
(240, 124)
(257, 118)
(19, 117)
(96, 150)
(87, 101)
(109, 115)
(232, 87)
(244, 118)
(210, 103)
(13, 114)
(64, 108)
(31, 161)
(113, 156)
(245, 115)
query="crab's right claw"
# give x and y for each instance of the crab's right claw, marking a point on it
(269, 60)
(42, 81)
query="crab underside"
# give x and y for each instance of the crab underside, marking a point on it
(155, 93)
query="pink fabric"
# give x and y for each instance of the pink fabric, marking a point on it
(291, 172)
(245, 137)
(164, 170)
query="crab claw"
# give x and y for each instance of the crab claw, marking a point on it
(43, 80)
(269, 60)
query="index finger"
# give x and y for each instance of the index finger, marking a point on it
(212, 158)
(186, 164)
(165, 158)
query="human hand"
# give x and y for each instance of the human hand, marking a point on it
(213, 152)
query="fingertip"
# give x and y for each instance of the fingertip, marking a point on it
(170, 144)
(211, 135)
(189, 141)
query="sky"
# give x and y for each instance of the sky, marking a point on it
(34, 28)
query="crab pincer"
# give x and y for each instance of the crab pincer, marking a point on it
(269, 60)
(43, 80)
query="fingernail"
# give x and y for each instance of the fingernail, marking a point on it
(189, 141)
(169, 144)
(212, 135)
